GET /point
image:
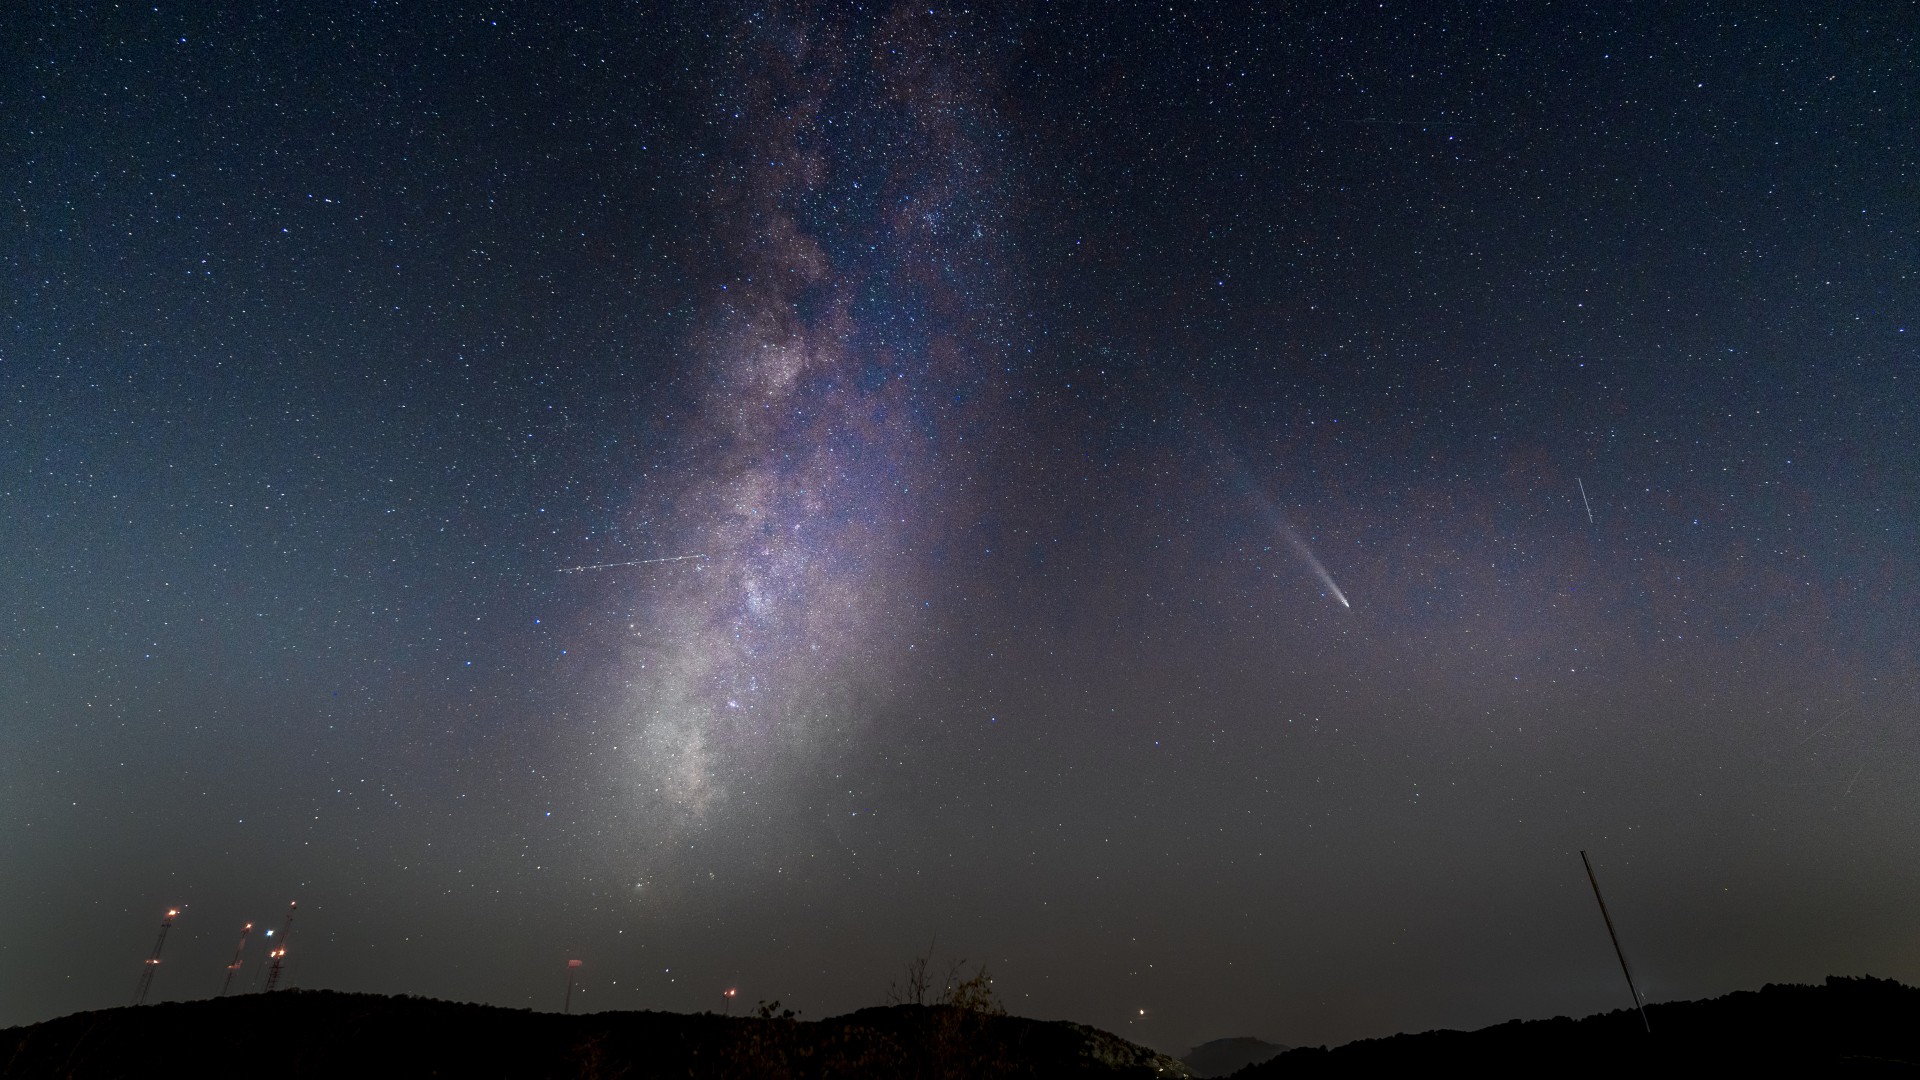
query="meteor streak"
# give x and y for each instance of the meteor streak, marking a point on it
(636, 562)
(1583, 499)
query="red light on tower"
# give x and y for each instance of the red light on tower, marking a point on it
(572, 966)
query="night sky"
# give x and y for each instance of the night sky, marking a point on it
(1204, 511)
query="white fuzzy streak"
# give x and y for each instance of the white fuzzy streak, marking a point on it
(1313, 563)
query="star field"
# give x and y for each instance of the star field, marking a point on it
(1204, 511)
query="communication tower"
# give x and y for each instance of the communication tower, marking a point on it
(234, 968)
(278, 956)
(153, 962)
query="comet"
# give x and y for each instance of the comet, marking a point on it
(1275, 518)
(1314, 564)
(635, 562)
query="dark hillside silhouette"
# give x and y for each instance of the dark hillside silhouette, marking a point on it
(1846, 1027)
(1224, 1057)
(318, 1033)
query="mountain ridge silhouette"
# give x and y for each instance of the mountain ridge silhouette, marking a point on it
(1845, 1026)
(1852, 1026)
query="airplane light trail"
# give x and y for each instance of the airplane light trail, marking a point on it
(636, 562)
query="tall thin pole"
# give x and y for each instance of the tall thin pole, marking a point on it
(1617, 951)
(572, 966)
(235, 965)
(153, 962)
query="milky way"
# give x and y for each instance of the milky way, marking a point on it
(844, 350)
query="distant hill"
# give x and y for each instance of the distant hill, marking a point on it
(319, 1033)
(1847, 1027)
(1223, 1057)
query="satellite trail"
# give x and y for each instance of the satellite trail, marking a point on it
(1583, 500)
(636, 562)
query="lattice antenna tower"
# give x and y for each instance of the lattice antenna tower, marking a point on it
(278, 956)
(153, 962)
(234, 967)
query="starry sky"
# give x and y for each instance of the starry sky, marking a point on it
(1204, 510)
